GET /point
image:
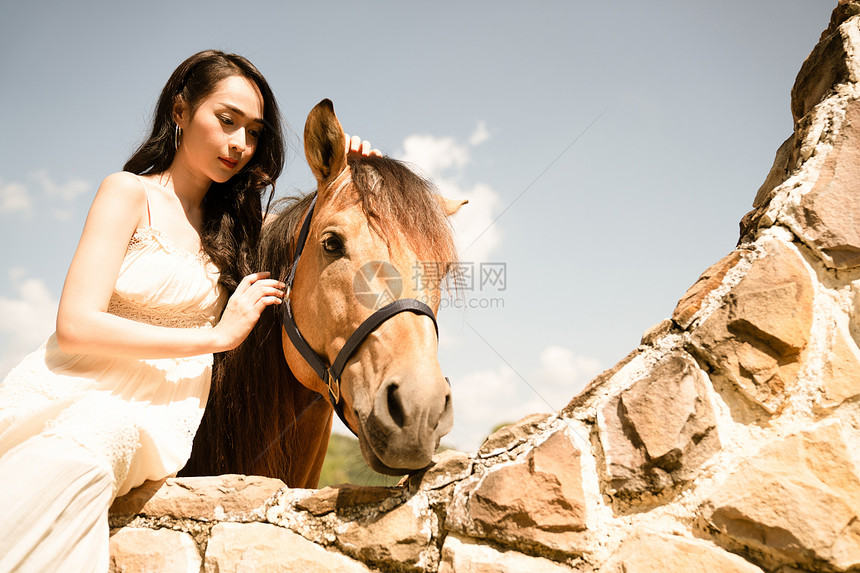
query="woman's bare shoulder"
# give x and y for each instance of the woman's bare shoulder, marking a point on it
(123, 182)
(124, 187)
(122, 198)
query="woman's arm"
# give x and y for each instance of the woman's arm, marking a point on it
(85, 327)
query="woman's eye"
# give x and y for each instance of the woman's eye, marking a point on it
(253, 133)
(226, 120)
(333, 245)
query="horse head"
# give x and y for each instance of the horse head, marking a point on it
(377, 233)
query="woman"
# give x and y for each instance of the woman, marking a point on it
(114, 397)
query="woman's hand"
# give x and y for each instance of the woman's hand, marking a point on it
(254, 293)
(355, 144)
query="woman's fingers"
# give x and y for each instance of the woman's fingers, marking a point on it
(271, 294)
(355, 144)
(268, 291)
(257, 288)
(249, 280)
(252, 295)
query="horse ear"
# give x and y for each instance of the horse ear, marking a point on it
(450, 206)
(325, 142)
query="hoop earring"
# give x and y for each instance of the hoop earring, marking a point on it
(177, 137)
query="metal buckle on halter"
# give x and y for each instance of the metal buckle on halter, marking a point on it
(333, 386)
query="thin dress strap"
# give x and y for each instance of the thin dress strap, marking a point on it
(146, 192)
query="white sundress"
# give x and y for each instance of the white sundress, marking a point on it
(78, 430)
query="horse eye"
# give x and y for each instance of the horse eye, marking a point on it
(333, 245)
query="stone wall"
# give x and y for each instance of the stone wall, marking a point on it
(723, 443)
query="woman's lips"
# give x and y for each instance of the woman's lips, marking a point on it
(229, 163)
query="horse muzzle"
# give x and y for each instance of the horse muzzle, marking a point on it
(408, 418)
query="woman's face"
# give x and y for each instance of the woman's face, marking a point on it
(221, 136)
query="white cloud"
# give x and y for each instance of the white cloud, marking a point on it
(563, 374)
(480, 135)
(14, 198)
(68, 191)
(28, 318)
(57, 198)
(476, 233)
(488, 398)
(483, 400)
(434, 155)
(442, 159)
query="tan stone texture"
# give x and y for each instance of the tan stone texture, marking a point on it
(649, 552)
(206, 498)
(755, 338)
(657, 331)
(449, 466)
(824, 69)
(241, 547)
(542, 492)
(511, 435)
(464, 555)
(656, 433)
(140, 550)
(342, 497)
(670, 407)
(784, 163)
(840, 374)
(844, 10)
(538, 499)
(402, 535)
(797, 499)
(692, 300)
(830, 212)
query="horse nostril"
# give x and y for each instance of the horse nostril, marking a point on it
(395, 408)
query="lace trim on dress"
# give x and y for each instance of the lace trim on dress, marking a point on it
(145, 234)
(157, 316)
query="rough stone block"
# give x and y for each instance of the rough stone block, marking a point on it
(140, 550)
(510, 436)
(240, 547)
(538, 499)
(402, 536)
(840, 373)
(657, 433)
(647, 552)
(657, 331)
(464, 555)
(343, 497)
(796, 502)
(784, 163)
(692, 300)
(754, 340)
(448, 467)
(222, 497)
(830, 211)
(824, 69)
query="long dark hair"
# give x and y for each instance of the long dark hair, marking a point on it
(232, 211)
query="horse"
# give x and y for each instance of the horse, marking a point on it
(373, 231)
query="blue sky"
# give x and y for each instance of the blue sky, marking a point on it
(609, 150)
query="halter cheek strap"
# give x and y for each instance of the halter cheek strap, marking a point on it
(331, 375)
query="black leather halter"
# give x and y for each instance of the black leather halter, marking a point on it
(331, 375)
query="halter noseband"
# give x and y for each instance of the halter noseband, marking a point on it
(331, 375)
